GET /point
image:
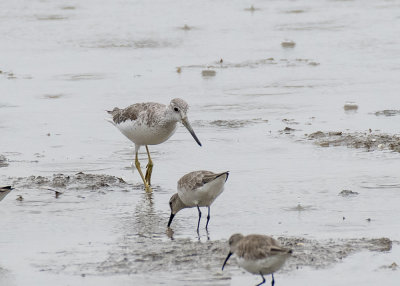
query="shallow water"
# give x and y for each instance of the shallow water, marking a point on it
(65, 63)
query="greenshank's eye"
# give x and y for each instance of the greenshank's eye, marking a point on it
(176, 109)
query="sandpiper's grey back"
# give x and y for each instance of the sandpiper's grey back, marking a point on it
(196, 179)
(256, 246)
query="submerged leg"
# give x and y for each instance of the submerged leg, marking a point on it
(137, 164)
(273, 280)
(208, 217)
(198, 223)
(262, 281)
(149, 167)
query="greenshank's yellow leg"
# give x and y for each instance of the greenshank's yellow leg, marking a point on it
(149, 167)
(137, 164)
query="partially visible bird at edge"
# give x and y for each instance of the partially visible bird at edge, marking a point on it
(4, 191)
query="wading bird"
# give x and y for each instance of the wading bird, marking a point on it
(150, 124)
(258, 254)
(197, 189)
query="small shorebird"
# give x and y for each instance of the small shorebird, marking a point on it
(4, 191)
(258, 254)
(150, 123)
(197, 189)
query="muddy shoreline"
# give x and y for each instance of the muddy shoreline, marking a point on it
(140, 249)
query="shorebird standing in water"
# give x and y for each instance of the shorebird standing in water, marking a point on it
(150, 124)
(4, 191)
(197, 189)
(258, 254)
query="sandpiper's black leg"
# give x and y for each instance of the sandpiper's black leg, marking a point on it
(262, 281)
(208, 218)
(273, 280)
(198, 223)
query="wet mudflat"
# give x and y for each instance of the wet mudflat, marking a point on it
(298, 100)
(69, 229)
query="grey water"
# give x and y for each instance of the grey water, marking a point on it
(247, 73)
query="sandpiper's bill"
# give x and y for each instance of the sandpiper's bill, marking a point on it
(150, 124)
(197, 189)
(258, 254)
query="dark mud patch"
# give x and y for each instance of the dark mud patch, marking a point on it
(53, 96)
(348, 193)
(51, 17)
(230, 124)
(186, 28)
(154, 256)
(320, 254)
(208, 73)
(80, 77)
(3, 273)
(301, 208)
(5, 105)
(287, 130)
(295, 11)
(79, 181)
(8, 74)
(68, 7)
(288, 44)
(290, 121)
(388, 112)
(350, 107)
(129, 43)
(252, 9)
(3, 161)
(367, 140)
(328, 25)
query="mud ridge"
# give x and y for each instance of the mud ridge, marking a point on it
(78, 181)
(135, 255)
(364, 140)
(230, 124)
(254, 63)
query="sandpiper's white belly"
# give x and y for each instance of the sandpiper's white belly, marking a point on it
(142, 134)
(203, 196)
(266, 265)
